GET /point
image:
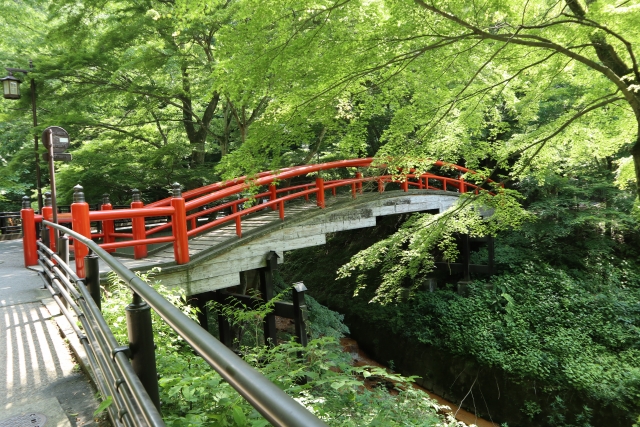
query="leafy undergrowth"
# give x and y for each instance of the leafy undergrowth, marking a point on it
(562, 311)
(192, 394)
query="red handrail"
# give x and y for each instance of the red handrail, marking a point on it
(177, 208)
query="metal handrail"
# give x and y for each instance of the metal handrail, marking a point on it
(270, 401)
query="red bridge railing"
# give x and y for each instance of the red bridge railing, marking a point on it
(183, 212)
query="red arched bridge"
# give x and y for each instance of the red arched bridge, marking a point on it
(185, 212)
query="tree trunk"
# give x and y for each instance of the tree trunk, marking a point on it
(635, 153)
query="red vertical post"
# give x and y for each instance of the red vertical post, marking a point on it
(463, 186)
(353, 190)
(320, 193)
(108, 227)
(29, 239)
(81, 224)
(179, 226)
(138, 228)
(420, 186)
(380, 186)
(234, 209)
(47, 213)
(444, 184)
(273, 195)
(359, 176)
(306, 196)
(281, 208)
(405, 184)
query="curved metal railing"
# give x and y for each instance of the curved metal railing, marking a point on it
(115, 375)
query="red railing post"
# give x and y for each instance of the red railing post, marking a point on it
(29, 239)
(108, 227)
(234, 209)
(405, 184)
(47, 213)
(281, 208)
(273, 195)
(320, 193)
(81, 224)
(138, 228)
(380, 186)
(420, 186)
(179, 226)
(359, 176)
(463, 186)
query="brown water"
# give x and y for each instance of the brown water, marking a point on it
(360, 358)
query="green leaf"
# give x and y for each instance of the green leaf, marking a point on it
(103, 406)
(238, 416)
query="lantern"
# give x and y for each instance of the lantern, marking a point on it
(11, 87)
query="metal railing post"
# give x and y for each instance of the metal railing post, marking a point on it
(142, 348)
(138, 228)
(93, 277)
(179, 227)
(82, 225)
(29, 239)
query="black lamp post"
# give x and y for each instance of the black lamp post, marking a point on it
(11, 90)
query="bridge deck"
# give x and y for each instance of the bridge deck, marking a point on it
(218, 256)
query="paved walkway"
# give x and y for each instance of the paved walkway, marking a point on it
(41, 383)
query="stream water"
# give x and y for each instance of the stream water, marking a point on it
(360, 358)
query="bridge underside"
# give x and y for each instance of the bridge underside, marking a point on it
(218, 257)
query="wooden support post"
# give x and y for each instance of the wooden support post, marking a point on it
(200, 302)
(108, 226)
(491, 250)
(47, 213)
(82, 225)
(266, 289)
(359, 176)
(138, 228)
(224, 327)
(273, 195)
(29, 239)
(179, 227)
(320, 193)
(300, 312)
(234, 209)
